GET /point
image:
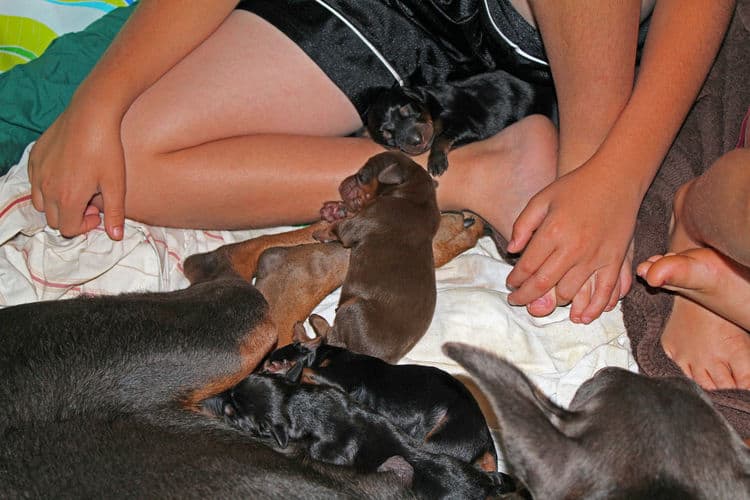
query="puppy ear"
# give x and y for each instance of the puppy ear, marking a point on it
(533, 445)
(279, 433)
(321, 328)
(394, 173)
(413, 94)
(299, 334)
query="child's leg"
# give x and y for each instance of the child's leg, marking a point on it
(264, 150)
(709, 268)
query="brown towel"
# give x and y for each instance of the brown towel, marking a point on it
(711, 129)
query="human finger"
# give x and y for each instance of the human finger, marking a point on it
(527, 222)
(534, 284)
(113, 198)
(604, 284)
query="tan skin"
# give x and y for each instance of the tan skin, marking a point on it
(709, 269)
(576, 233)
(181, 141)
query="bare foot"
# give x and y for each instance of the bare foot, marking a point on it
(496, 177)
(710, 349)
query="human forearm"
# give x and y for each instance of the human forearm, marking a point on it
(682, 44)
(157, 36)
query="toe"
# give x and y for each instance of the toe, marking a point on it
(721, 374)
(544, 305)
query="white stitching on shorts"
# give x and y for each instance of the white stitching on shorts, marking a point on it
(513, 45)
(370, 46)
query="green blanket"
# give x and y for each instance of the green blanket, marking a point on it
(32, 95)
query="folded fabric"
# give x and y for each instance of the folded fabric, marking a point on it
(32, 95)
(710, 130)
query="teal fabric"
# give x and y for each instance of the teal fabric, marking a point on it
(32, 95)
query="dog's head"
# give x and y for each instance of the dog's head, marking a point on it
(386, 174)
(398, 118)
(624, 435)
(256, 408)
(303, 360)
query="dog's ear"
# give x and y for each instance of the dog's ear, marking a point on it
(279, 433)
(321, 328)
(395, 173)
(413, 94)
(299, 334)
(533, 445)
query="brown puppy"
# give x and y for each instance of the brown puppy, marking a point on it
(294, 272)
(388, 217)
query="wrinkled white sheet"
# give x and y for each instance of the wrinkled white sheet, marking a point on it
(36, 263)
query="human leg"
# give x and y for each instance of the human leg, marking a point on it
(227, 140)
(708, 268)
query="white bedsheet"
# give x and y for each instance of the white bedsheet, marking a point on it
(36, 263)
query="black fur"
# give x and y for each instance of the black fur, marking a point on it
(326, 425)
(92, 395)
(437, 118)
(426, 403)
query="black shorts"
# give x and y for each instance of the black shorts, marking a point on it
(366, 45)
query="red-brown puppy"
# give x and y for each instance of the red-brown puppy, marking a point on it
(388, 217)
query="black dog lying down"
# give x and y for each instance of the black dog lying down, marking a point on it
(429, 405)
(437, 118)
(624, 435)
(107, 397)
(326, 425)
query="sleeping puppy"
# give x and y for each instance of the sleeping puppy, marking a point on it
(388, 217)
(324, 424)
(624, 435)
(426, 403)
(437, 118)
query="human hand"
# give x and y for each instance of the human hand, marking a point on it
(77, 168)
(575, 235)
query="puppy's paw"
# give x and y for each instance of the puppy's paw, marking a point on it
(332, 211)
(437, 163)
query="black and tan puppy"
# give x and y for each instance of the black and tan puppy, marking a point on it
(624, 435)
(437, 118)
(426, 403)
(388, 217)
(324, 424)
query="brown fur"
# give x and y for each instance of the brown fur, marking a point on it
(388, 217)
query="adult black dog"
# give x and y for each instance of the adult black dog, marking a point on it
(426, 403)
(104, 397)
(437, 118)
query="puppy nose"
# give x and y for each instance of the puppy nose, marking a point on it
(414, 139)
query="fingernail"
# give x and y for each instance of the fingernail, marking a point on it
(117, 232)
(586, 320)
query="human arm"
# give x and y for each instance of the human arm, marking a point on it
(611, 143)
(80, 157)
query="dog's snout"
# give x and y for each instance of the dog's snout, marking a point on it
(414, 139)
